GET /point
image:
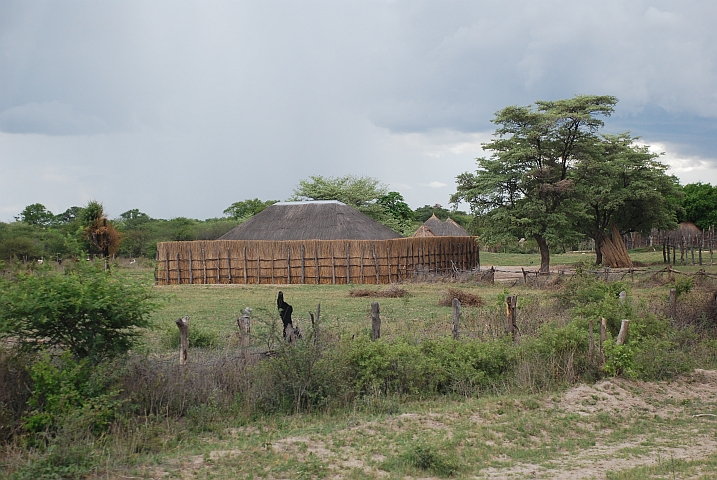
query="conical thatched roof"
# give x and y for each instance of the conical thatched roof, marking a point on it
(316, 220)
(434, 227)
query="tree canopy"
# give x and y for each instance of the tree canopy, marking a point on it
(351, 190)
(700, 204)
(623, 184)
(524, 188)
(247, 208)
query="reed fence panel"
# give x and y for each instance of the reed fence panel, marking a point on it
(312, 261)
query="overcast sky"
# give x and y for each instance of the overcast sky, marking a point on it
(182, 108)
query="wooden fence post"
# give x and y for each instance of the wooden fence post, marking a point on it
(603, 338)
(348, 265)
(511, 327)
(179, 271)
(166, 266)
(333, 266)
(246, 280)
(375, 322)
(191, 268)
(456, 304)
(244, 324)
(591, 347)
(673, 303)
(204, 266)
(183, 325)
(622, 336)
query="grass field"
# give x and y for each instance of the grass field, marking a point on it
(617, 428)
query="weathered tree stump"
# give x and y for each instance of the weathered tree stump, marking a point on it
(622, 336)
(183, 325)
(244, 324)
(375, 322)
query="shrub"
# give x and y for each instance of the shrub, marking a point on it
(66, 390)
(85, 310)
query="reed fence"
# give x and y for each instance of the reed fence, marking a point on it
(695, 248)
(312, 261)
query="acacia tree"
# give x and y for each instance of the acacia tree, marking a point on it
(623, 184)
(525, 188)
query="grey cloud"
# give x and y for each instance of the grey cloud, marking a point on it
(50, 118)
(243, 99)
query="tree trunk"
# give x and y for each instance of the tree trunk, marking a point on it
(598, 249)
(544, 253)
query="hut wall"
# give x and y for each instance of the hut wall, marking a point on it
(311, 261)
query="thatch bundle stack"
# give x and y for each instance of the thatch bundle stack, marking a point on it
(614, 252)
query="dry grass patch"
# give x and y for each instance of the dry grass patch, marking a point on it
(393, 291)
(467, 299)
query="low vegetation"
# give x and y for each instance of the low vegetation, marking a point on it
(432, 406)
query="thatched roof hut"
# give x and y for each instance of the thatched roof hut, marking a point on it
(315, 220)
(434, 227)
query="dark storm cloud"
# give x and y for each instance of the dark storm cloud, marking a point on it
(132, 102)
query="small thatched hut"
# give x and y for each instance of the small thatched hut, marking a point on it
(315, 220)
(434, 227)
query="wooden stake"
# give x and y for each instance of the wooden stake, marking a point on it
(673, 303)
(204, 266)
(511, 327)
(191, 268)
(622, 336)
(375, 322)
(244, 324)
(273, 257)
(183, 325)
(375, 261)
(361, 266)
(229, 265)
(288, 264)
(303, 265)
(245, 272)
(348, 265)
(333, 266)
(179, 272)
(388, 262)
(316, 262)
(166, 267)
(456, 305)
(591, 347)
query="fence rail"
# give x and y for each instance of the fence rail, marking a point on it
(312, 261)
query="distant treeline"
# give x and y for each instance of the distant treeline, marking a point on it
(37, 233)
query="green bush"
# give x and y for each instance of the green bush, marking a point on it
(65, 390)
(87, 311)
(618, 360)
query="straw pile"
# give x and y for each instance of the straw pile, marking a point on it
(466, 299)
(614, 252)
